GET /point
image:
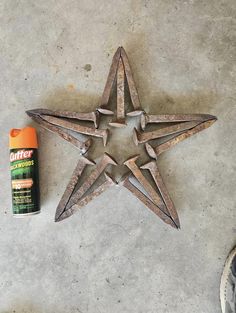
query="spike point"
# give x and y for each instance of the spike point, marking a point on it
(148, 165)
(110, 158)
(110, 178)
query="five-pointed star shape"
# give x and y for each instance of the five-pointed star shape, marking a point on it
(180, 127)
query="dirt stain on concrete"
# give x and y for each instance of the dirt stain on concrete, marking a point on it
(87, 67)
(70, 87)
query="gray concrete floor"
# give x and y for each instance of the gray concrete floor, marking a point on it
(115, 255)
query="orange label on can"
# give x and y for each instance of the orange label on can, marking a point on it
(22, 183)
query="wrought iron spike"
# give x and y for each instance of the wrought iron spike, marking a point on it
(152, 167)
(82, 163)
(83, 146)
(82, 116)
(146, 201)
(120, 115)
(109, 84)
(109, 182)
(142, 137)
(154, 152)
(102, 133)
(132, 88)
(100, 167)
(173, 118)
(131, 164)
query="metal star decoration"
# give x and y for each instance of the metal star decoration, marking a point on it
(66, 124)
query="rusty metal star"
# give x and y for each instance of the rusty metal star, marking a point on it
(152, 194)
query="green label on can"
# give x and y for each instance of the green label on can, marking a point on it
(24, 181)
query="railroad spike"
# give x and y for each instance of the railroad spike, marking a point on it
(102, 133)
(173, 118)
(82, 163)
(120, 115)
(109, 182)
(82, 116)
(131, 84)
(100, 167)
(131, 164)
(82, 145)
(109, 84)
(146, 201)
(143, 137)
(153, 169)
(153, 152)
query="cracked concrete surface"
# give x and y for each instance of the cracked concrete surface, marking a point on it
(116, 256)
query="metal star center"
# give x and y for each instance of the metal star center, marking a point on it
(152, 194)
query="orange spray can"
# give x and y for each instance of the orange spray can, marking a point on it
(24, 171)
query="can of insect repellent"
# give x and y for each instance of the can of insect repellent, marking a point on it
(24, 171)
